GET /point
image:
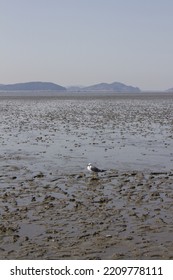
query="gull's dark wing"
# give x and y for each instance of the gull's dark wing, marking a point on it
(95, 169)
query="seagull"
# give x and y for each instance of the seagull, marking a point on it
(94, 169)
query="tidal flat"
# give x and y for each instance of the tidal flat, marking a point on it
(51, 207)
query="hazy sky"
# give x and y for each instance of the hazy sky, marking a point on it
(83, 42)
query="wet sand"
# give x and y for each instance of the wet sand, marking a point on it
(51, 208)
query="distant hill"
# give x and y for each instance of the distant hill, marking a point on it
(46, 86)
(113, 87)
(170, 90)
(32, 86)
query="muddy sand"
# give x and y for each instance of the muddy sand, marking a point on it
(52, 208)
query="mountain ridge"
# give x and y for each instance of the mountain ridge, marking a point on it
(113, 87)
(32, 86)
(170, 90)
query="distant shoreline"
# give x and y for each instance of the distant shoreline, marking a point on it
(73, 94)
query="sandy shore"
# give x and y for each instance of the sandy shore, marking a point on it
(51, 208)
